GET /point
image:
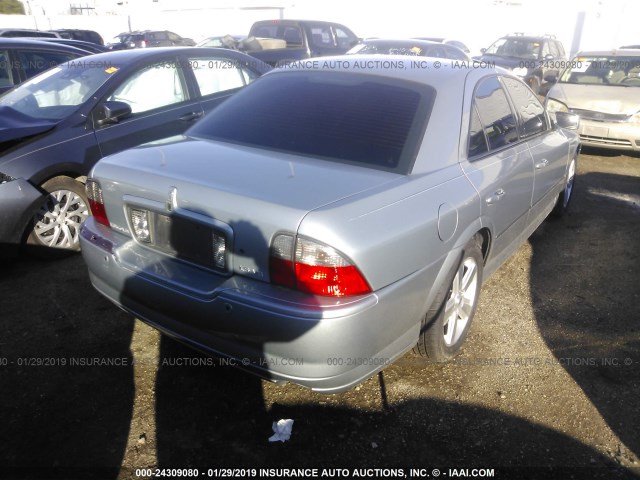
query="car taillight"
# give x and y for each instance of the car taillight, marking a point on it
(314, 268)
(96, 203)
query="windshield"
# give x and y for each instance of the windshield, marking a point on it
(516, 47)
(603, 70)
(58, 92)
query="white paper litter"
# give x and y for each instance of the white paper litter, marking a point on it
(281, 430)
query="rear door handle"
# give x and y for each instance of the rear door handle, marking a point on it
(542, 164)
(189, 117)
(497, 195)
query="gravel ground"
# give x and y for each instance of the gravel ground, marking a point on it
(547, 385)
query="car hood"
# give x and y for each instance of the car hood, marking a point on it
(15, 126)
(608, 99)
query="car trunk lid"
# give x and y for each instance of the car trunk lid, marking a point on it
(246, 194)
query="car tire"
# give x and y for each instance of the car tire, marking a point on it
(446, 324)
(564, 198)
(55, 227)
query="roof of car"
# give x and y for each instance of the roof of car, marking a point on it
(614, 52)
(402, 41)
(45, 45)
(29, 30)
(294, 21)
(436, 72)
(121, 57)
(530, 37)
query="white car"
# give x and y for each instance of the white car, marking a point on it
(603, 88)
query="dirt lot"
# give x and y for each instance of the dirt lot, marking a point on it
(547, 386)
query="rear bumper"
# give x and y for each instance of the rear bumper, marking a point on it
(618, 135)
(326, 344)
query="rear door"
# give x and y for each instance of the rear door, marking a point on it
(547, 146)
(161, 102)
(499, 165)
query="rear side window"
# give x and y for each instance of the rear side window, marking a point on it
(344, 39)
(455, 53)
(215, 75)
(5, 70)
(34, 62)
(321, 36)
(293, 36)
(477, 140)
(342, 117)
(495, 114)
(530, 111)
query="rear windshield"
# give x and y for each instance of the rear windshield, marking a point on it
(343, 117)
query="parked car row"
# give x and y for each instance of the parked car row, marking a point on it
(89, 36)
(412, 47)
(56, 126)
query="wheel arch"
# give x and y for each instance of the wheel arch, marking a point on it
(453, 258)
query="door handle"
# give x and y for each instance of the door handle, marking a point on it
(189, 117)
(497, 195)
(542, 164)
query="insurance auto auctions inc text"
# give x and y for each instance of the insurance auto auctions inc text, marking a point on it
(374, 472)
(411, 64)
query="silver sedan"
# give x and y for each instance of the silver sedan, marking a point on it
(331, 216)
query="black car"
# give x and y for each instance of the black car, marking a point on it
(55, 127)
(149, 38)
(537, 59)
(78, 34)
(81, 44)
(26, 32)
(21, 59)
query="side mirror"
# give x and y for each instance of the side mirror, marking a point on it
(570, 121)
(551, 79)
(113, 112)
(483, 50)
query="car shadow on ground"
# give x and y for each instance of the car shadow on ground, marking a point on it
(74, 421)
(216, 419)
(608, 152)
(66, 384)
(586, 304)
